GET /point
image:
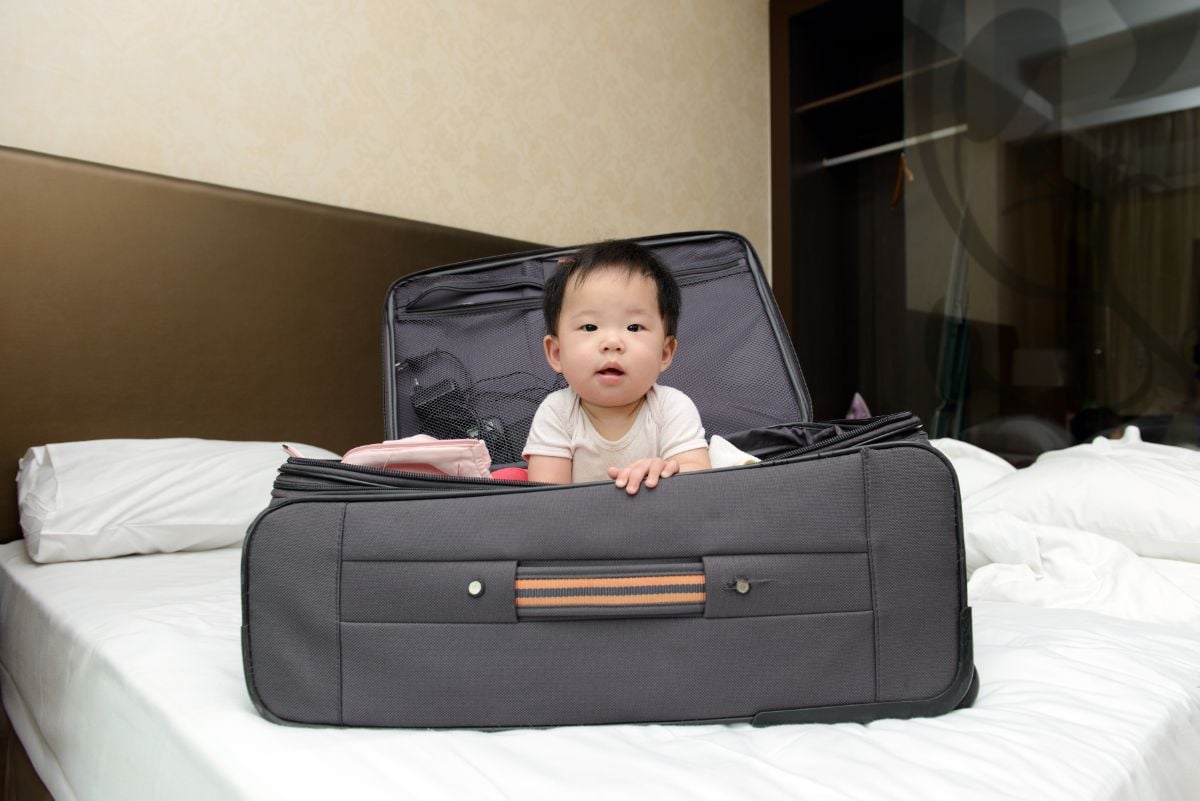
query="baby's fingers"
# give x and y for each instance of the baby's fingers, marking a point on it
(622, 475)
(637, 472)
(660, 469)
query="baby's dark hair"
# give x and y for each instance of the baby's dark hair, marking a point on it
(621, 254)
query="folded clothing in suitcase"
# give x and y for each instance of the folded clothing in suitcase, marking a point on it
(824, 583)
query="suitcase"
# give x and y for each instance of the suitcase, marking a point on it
(825, 583)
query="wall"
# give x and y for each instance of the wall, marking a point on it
(555, 121)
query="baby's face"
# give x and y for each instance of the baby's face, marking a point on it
(612, 343)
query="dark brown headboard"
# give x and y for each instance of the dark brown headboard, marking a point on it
(133, 305)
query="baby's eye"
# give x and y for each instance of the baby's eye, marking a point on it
(588, 327)
(634, 327)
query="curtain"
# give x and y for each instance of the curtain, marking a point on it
(1134, 231)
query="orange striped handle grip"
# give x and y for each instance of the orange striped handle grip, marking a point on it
(610, 591)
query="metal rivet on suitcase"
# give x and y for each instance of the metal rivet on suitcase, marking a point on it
(742, 585)
(475, 588)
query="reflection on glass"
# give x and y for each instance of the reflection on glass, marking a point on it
(1049, 175)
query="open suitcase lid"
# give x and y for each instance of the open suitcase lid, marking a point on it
(463, 352)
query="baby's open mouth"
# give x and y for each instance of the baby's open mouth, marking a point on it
(613, 371)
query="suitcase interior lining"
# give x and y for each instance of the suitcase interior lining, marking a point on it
(732, 371)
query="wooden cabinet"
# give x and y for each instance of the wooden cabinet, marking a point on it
(840, 127)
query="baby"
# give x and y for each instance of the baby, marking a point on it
(610, 316)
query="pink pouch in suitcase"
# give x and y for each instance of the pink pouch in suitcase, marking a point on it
(425, 454)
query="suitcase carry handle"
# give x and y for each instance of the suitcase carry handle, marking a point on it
(605, 591)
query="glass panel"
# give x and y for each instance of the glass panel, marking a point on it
(1051, 191)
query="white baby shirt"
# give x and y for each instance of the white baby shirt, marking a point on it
(667, 425)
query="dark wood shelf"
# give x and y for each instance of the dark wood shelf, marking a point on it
(858, 80)
(874, 85)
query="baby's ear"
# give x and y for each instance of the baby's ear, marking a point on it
(552, 353)
(668, 353)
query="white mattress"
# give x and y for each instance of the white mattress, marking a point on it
(123, 678)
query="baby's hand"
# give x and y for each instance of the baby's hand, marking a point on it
(630, 477)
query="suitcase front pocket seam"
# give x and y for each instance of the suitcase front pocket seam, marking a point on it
(505, 591)
(771, 585)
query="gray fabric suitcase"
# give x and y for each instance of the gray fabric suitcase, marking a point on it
(824, 584)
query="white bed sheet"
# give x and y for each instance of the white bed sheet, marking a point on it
(123, 678)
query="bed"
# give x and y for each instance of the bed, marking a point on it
(122, 676)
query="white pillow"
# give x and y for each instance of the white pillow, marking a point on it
(976, 468)
(1141, 494)
(102, 498)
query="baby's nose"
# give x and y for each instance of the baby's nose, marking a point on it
(613, 342)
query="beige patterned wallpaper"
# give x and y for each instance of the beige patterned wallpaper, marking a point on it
(556, 121)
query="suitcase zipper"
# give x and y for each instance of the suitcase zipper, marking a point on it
(294, 471)
(857, 437)
(681, 276)
(306, 475)
(495, 305)
(412, 307)
(685, 277)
